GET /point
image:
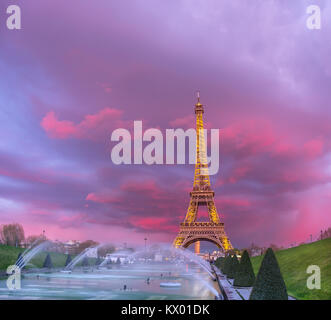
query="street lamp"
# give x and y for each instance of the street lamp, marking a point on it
(145, 250)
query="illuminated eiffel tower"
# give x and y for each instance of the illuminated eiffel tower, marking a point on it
(201, 195)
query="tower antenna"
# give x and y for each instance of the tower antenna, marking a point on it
(198, 95)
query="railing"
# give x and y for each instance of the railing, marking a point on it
(202, 224)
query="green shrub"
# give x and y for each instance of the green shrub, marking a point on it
(68, 260)
(48, 262)
(245, 276)
(233, 267)
(97, 261)
(227, 265)
(269, 284)
(85, 262)
(219, 263)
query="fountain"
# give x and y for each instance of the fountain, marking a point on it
(29, 253)
(80, 257)
(196, 259)
(121, 253)
(185, 253)
(171, 273)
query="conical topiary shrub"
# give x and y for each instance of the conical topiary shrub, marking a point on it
(269, 283)
(227, 264)
(245, 276)
(233, 267)
(48, 262)
(220, 262)
(68, 260)
(97, 261)
(85, 262)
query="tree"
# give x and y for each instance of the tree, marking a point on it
(326, 234)
(245, 276)
(269, 284)
(86, 244)
(274, 247)
(227, 264)
(104, 250)
(34, 240)
(48, 262)
(233, 267)
(12, 234)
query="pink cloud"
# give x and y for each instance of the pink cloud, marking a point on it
(238, 173)
(93, 126)
(313, 148)
(20, 174)
(105, 86)
(186, 122)
(104, 197)
(154, 223)
(248, 136)
(58, 129)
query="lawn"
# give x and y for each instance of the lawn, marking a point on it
(8, 256)
(294, 262)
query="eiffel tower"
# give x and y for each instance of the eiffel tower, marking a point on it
(201, 195)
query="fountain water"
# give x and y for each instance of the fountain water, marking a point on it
(207, 285)
(30, 253)
(184, 253)
(104, 262)
(196, 259)
(80, 257)
(120, 253)
(189, 275)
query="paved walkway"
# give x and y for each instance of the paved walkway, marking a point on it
(230, 291)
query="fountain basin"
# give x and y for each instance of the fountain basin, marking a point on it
(170, 284)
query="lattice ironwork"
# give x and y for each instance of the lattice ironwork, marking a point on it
(201, 195)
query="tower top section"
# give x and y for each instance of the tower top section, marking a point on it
(198, 105)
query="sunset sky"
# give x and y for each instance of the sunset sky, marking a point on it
(78, 71)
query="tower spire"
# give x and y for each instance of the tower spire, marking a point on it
(198, 104)
(201, 195)
(198, 96)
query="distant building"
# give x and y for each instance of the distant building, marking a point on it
(158, 258)
(256, 252)
(114, 256)
(92, 253)
(71, 246)
(216, 254)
